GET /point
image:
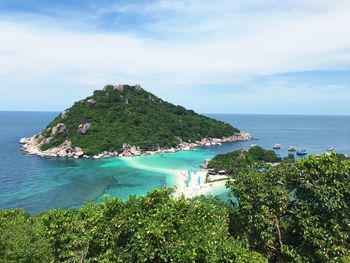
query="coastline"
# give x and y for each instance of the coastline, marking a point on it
(32, 146)
(178, 178)
(196, 185)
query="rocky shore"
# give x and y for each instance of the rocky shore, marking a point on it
(32, 146)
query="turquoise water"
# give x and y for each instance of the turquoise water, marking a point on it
(37, 184)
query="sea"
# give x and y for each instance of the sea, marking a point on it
(37, 184)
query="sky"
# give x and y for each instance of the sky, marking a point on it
(223, 56)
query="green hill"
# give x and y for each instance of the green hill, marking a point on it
(234, 162)
(126, 114)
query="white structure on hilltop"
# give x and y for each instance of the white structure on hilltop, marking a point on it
(138, 87)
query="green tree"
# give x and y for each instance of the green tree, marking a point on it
(23, 238)
(237, 161)
(295, 212)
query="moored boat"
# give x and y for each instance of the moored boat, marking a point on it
(277, 146)
(253, 145)
(302, 153)
(330, 149)
(292, 148)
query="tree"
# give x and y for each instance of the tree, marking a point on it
(154, 228)
(295, 212)
(23, 238)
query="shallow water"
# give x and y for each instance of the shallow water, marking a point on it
(37, 184)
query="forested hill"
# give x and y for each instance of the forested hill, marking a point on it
(126, 114)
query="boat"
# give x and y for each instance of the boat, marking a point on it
(302, 153)
(277, 146)
(253, 145)
(330, 149)
(292, 148)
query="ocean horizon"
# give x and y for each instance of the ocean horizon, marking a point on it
(37, 184)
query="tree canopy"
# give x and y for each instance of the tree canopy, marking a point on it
(236, 161)
(155, 228)
(295, 212)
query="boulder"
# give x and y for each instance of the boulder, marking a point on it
(59, 128)
(134, 151)
(24, 140)
(91, 101)
(78, 152)
(84, 127)
(62, 153)
(46, 140)
(119, 87)
(66, 144)
(138, 87)
(64, 114)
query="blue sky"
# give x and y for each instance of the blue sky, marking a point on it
(253, 56)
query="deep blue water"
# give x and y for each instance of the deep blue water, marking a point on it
(37, 184)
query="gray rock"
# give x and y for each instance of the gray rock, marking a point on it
(134, 151)
(24, 140)
(46, 140)
(138, 87)
(119, 87)
(91, 101)
(64, 114)
(59, 128)
(84, 127)
(78, 152)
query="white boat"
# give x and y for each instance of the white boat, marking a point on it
(277, 146)
(292, 148)
(253, 145)
(330, 149)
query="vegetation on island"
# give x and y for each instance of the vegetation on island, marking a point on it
(236, 161)
(130, 115)
(292, 212)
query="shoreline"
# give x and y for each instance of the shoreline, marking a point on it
(178, 179)
(196, 185)
(32, 146)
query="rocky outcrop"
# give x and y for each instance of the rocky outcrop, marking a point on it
(129, 150)
(59, 128)
(119, 87)
(32, 146)
(138, 87)
(91, 102)
(84, 127)
(64, 114)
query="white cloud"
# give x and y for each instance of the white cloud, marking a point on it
(227, 49)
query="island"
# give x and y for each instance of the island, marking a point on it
(125, 120)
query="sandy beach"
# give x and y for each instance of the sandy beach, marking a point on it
(195, 185)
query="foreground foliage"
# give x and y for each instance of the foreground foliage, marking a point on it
(293, 212)
(138, 118)
(155, 228)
